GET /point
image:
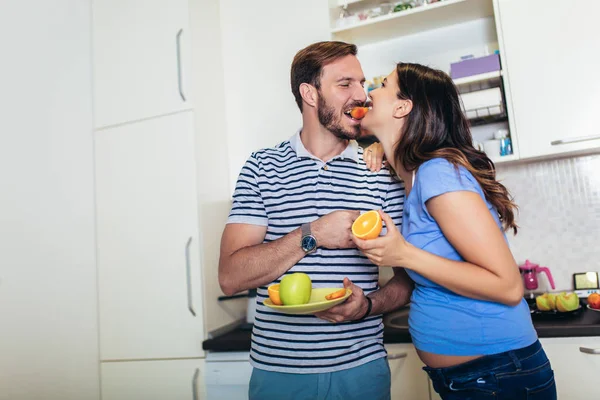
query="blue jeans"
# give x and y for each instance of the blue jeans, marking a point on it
(523, 374)
(370, 381)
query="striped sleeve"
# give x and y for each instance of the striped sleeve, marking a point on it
(394, 202)
(248, 206)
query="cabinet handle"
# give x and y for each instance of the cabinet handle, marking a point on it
(195, 384)
(397, 356)
(178, 39)
(188, 273)
(587, 350)
(575, 140)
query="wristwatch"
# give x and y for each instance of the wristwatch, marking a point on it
(308, 241)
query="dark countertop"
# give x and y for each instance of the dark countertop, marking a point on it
(585, 323)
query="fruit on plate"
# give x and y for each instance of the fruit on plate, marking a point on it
(295, 289)
(368, 225)
(336, 295)
(546, 302)
(274, 294)
(594, 301)
(567, 302)
(359, 112)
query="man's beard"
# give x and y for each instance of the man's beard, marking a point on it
(327, 118)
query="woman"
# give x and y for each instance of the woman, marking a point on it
(468, 319)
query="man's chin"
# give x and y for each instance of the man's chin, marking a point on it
(347, 134)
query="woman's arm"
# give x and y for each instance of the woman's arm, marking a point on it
(374, 157)
(489, 271)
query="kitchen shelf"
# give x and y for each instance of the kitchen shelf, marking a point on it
(340, 3)
(486, 115)
(467, 80)
(414, 20)
(504, 159)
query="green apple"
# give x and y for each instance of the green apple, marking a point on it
(552, 300)
(567, 302)
(545, 302)
(295, 289)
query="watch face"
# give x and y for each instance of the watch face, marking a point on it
(308, 243)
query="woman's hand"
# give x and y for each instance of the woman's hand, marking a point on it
(373, 156)
(385, 251)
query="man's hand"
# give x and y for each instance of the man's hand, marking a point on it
(352, 309)
(334, 230)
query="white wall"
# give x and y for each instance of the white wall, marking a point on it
(48, 299)
(559, 215)
(212, 149)
(259, 41)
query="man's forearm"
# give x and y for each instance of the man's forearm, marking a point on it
(258, 265)
(394, 294)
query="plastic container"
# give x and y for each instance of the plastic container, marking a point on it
(475, 66)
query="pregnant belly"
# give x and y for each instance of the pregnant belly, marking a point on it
(442, 361)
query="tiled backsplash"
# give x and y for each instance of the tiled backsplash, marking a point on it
(559, 215)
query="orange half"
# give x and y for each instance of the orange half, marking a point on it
(368, 225)
(274, 294)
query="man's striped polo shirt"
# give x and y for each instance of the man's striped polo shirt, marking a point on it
(282, 188)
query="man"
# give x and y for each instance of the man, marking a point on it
(292, 211)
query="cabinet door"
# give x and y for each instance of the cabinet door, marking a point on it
(149, 274)
(141, 59)
(552, 69)
(575, 371)
(409, 381)
(227, 375)
(153, 380)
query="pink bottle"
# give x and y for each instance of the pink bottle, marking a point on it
(530, 271)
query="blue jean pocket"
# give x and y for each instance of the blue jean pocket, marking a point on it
(531, 384)
(545, 391)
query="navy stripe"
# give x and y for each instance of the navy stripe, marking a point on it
(366, 193)
(372, 204)
(319, 357)
(320, 324)
(280, 339)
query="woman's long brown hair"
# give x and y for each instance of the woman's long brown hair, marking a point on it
(437, 128)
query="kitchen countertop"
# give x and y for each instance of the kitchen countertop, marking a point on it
(587, 323)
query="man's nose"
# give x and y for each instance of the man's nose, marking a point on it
(359, 94)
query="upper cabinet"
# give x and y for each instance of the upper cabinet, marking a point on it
(141, 59)
(367, 21)
(552, 67)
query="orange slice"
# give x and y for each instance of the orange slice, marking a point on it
(274, 294)
(336, 295)
(368, 225)
(359, 112)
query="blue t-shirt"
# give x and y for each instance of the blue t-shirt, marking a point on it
(441, 321)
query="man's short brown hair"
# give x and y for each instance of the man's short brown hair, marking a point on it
(309, 62)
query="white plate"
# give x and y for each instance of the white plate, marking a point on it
(593, 309)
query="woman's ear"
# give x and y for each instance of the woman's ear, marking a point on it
(309, 94)
(403, 108)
